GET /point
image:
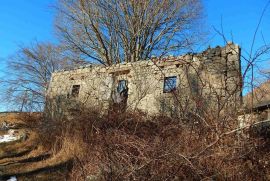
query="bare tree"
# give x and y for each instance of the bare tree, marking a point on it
(28, 75)
(116, 31)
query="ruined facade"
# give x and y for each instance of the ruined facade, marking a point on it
(155, 85)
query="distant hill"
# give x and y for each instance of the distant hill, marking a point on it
(261, 96)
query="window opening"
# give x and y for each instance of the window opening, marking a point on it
(122, 87)
(169, 84)
(75, 91)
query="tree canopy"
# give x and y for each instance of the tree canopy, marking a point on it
(116, 31)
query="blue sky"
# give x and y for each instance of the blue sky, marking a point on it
(25, 21)
(239, 18)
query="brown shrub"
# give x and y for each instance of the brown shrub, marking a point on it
(134, 146)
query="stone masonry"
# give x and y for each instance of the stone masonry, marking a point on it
(152, 85)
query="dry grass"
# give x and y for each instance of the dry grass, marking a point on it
(134, 146)
(60, 158)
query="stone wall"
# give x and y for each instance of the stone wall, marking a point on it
(213, 74)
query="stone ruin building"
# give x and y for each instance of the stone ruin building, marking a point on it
(153, 86)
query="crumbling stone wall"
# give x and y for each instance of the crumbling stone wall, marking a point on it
(214, 74)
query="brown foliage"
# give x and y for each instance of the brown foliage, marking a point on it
(134, 146)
